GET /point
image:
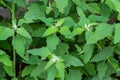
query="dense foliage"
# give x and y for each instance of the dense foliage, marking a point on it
(59, 39)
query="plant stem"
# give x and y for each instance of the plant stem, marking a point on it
(14, 52)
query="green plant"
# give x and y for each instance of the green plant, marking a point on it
(60, 40)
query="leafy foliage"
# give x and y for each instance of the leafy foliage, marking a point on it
(59, 39)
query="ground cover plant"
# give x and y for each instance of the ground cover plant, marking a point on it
(59, 40)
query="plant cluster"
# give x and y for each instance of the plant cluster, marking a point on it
(59, 39)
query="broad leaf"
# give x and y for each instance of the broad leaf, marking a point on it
(90, 68)
(102, 68)
(60, 67)
(117, 32)
(51, 73)
(2, 52)
(35, 12)
(77, 31)
(50, 30)
(5, 59)
(61, 49)
(21, 31)
(9, 70)
(64, 30)
(61, 4)
(52, 42)
(19, 45)
(27, 70)
(18, 2)
(43, 52)
(102, 31)
(5, 33)
(88, 50)
(83, 19)
(71, 61)
(103, 54)
(77, 76)
(38, 69)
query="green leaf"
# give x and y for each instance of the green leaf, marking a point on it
(77, 31)
(60, 68)
(51, 73)
(93, 8)
(19, 45)
(60, 22)
(90, 67)
(71, 61)
(9, 70)
(103, 54)
(39, 32)
(52, 42)
(117, 32)
(64, 30)
(5, 59)
(77, 76)
(50, 63)
(103, 30)
(83, 19)
(38, 69)
(27, 70)
(50, 30)
(88, 50)
(18, 2)
(105, 9)
(35, 12)
(102, 68)
(61, 4)
(5, 33)
(2, 52)
(116, 4)
(44, 52)
(21, 31)
(61, 49)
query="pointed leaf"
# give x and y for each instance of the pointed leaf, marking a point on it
(27, 70)
(19, 45)
(52, 42)
(61, 4)
(21, 31)
(60, 67)
(103, 30)
(50, 30)
(102, 68)
(51, 73)
(103, 54)
(5, 33)
(72, 61)
(43, 52)
(88, 50)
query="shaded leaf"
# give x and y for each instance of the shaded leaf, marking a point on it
(102, 68)
(103, 54)
(88, 50)
(71, 61)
